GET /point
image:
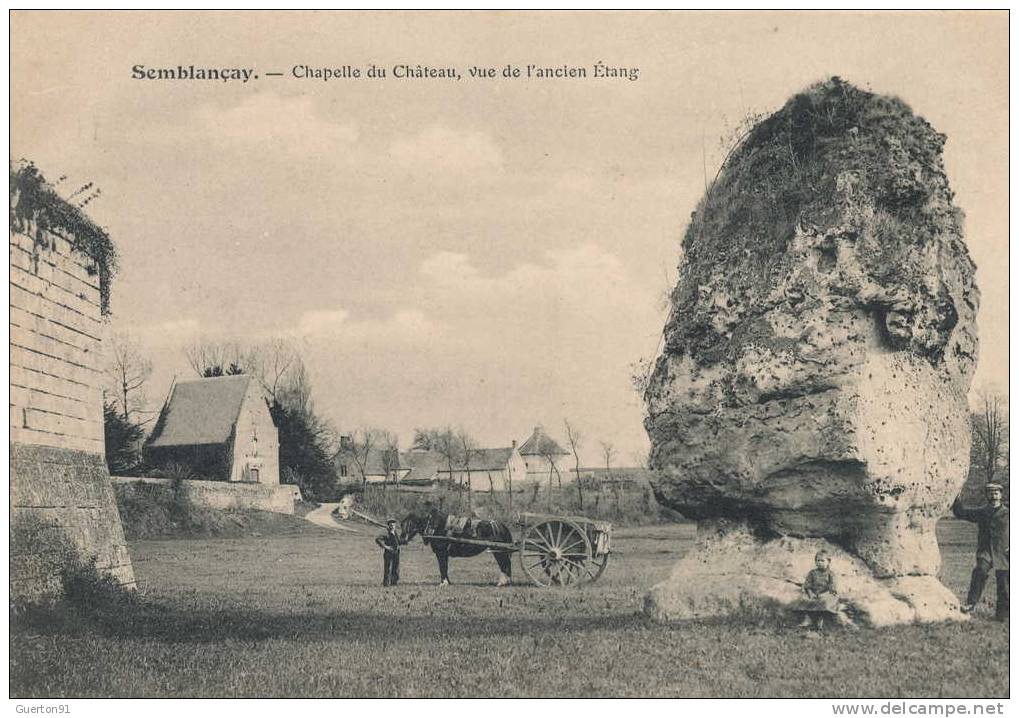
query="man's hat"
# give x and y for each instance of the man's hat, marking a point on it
(994, 485)
(390, 521)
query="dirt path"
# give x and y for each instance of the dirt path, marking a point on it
(323, 516)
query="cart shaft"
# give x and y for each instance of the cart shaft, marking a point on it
(475, 542)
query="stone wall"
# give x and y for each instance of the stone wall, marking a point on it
(231, 495)
(61, 497)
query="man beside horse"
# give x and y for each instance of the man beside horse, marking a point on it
(390, 543)
(438, 527)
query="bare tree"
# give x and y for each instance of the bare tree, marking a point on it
(549, 455)
(389, 443)
(426, 439)
(292, 390)
(469, 450)
(211, 357)
(575, 438)
(509, 485)
(609, 454)
(126, 373)
(362, 441)
(278, 367)
(990, 434)
(446, 444)
(534, 493)
(276, 364)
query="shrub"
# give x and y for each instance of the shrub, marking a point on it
(159, 511)
(86, 588)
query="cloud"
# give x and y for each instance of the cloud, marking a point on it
(264, 122)
(578, 289)
(448, 267)
(173, 333)
(401, 327)
(440, 149)
(321, 321)
(548, 337)
(290, 122)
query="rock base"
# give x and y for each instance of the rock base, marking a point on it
(731, 571)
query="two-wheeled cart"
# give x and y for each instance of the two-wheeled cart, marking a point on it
(554, 550)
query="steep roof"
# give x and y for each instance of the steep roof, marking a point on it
(488, 459)
(426, 465)
(375, 462)
(201, 411)
(421, 465)
(541, 444)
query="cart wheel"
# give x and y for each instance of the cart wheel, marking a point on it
(595, 567)
(554, 553)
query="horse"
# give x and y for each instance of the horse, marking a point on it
(432, 522)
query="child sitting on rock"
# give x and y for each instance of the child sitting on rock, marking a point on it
(820, 594)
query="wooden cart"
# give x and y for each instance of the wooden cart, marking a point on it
(555, 550)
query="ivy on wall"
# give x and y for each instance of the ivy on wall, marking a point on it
(34, 201)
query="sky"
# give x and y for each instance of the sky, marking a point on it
(485, 253)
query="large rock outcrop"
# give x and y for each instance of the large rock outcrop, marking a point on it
(812, 386)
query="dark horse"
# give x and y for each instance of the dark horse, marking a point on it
(430, 521)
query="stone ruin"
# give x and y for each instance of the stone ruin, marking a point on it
(811, 391)
(63, 510)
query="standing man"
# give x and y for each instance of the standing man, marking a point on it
(390, 543)
(992, 547)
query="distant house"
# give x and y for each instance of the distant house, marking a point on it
(489, 469)
(419, 468)
(220, 428)
(543, 456)
(380, 465)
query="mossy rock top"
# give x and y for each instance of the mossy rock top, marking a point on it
(846, 166)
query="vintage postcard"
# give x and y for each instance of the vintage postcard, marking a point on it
(510, 354)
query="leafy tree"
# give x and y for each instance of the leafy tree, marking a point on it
(305, 439)
(304, 449)
(211, 358)
(123, 440)
(213, 371)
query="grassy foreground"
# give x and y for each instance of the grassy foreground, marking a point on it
(301, 613)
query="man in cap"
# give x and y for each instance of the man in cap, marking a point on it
(992, 547)
(390, 543)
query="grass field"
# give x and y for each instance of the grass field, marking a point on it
(301, 613)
